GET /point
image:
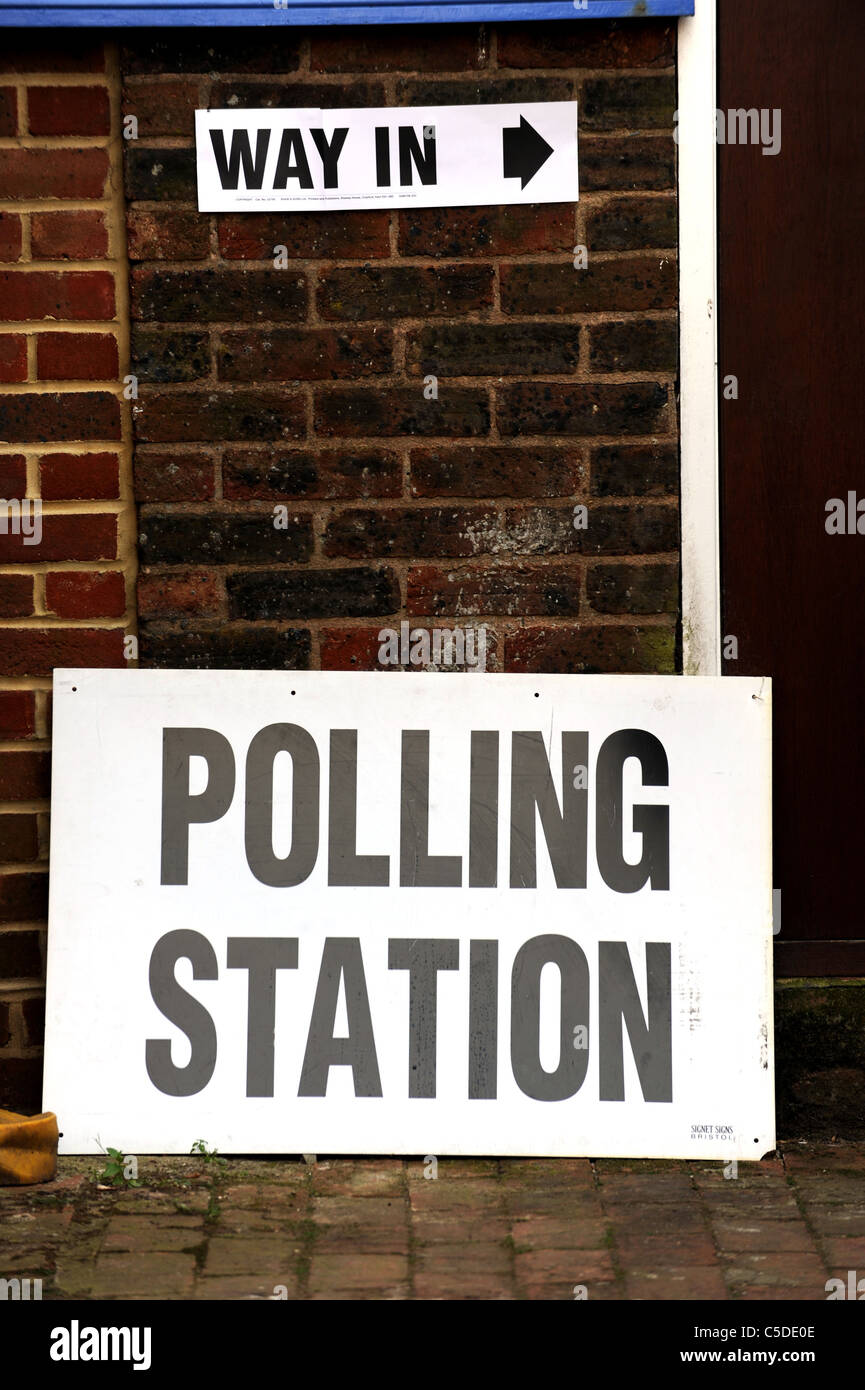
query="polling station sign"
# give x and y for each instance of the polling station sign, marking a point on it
(386, 157)
(321, 912)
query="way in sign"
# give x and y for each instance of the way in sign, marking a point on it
(444, 156)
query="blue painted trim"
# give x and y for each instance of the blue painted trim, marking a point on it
(220, 13)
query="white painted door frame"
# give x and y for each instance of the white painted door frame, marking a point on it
(698, 342)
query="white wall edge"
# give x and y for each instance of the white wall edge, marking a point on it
(698, 343)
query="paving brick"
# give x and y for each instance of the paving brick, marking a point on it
(545, 1173)
(553, 1233)
(848, 1251)
(837, 1220)
(648, 1219)
(663, 1187)
(142, 1234)
(346, 1212)
(763, 1235)
(489, 1257)
(416, 1169)
(456, 1195)
(348, 1178)
(266, 1197)
(642, 1250)
(239, 1287)
(142, 1275)
(563, 1266)
(788, 1268)
(444, 1281)
(385, 1276)
(363, 1237)
(823, 1158)
(239, 1221)
(762, 1293)
(671, 1284)
(273, 1256)
(830, 1188)
(447, 1227)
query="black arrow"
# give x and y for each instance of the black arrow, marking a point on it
(524, 151)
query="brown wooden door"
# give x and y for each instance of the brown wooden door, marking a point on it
(791, 324)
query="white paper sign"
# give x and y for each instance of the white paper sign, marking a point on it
(411, 913)
(386, 157)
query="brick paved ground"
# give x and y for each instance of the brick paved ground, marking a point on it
(483, 1229)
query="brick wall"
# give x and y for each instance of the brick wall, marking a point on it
(64, 441)
(304, 386)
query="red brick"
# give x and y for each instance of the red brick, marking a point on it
(786, 1269)
(16, 595)
(693, 1282)
(163, 108)
(351, 236)
(173, 477)
(488, 231)
(74, 476)
(628, 43)
(13, 357)
(21, 1082)
(760, 1235)
(771, 1293)
(37, 651)
(64, 173)
(85, 594)
(20, 956)
(23, 897)
(352, 649)
(357, 648)
(8, 111)
(66, 537)
(209, 294)
(76, 357)
(19, 840)
(13, 475)
(175, 595)
(627, 162)
(397, 48)
(418, 532)
(198, 416)
(34, 1021)
(10, 236)
(69, 110)
(304, 354)
(403, 291)
(510, 590)
(367, 413)
(34, 51)
(630, 283)
(70, 294)
(80, 235)
(358, 473)
(41, 419)
(459, 470)
(592, 650)
(17, 708)
(25, 776)
(173, 234)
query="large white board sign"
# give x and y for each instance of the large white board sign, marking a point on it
(411, 913)
(386, 157)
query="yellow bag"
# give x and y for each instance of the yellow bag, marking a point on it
(28, 1148)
